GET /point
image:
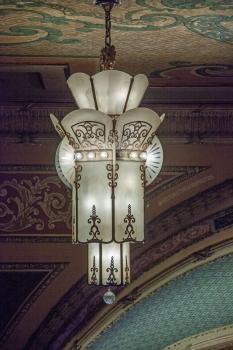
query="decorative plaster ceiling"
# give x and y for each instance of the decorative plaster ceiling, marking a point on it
(195, 302)
(166, 31)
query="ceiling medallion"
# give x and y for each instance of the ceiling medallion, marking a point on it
(108, 154)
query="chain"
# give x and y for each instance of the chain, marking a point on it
(108, 53)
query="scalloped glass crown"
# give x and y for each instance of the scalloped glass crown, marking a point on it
(111, 91)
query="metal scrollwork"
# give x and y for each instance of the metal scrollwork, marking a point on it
(149, 140)
(94, 230)
(134, 134)
(90, 134)
(129, 220)
(113, 178)
(143, 177)
(112, 270)
(113, 138)
(78, 170)
(72, 141)
(94, 270)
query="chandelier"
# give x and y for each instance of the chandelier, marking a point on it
(108, 154)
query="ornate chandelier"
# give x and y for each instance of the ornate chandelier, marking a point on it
(108, 154)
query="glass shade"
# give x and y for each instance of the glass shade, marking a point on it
(139, 86)
(65, 163)
(136, 128)
(108, 264)
(129, 202)
(88, 128)
(110, 91)
(93, 213)
(81, 88)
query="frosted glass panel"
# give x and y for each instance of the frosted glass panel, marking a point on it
(111, 89)
(137, 92)
(90, 129)
(66, 161)
(74, 215)
(80, 86)
(93, 263)
(129, 202)
(136, 127)
(94, 203)
(111, 264)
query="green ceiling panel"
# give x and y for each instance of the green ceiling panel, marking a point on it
(195, 302)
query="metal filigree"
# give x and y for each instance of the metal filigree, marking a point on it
(112, 270)
(143, 177)
(126, 271)
(129, 220)
(94, 270)
(94, 230)
(112, 177)
(149, 141)
(113, 138)
(78, 170)
(134, 134)
(90, 134)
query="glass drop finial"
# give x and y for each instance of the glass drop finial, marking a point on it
(109, 297)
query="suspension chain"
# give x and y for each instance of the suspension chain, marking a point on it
(108, 53)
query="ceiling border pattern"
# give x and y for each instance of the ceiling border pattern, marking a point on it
(190, 125)
(215, 339)
(35, 203)
(143, 17)
(180, 174)
(193, 210)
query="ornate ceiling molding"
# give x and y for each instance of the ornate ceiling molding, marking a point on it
(216, 200)
(185, 125)
(215, 339)
(33, 204)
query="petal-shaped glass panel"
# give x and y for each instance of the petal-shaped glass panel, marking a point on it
(111, 90)
(89, 128)
(139, 86)
(136, 128)
(81, 88)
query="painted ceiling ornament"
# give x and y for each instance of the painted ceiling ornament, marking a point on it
(108, 154)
